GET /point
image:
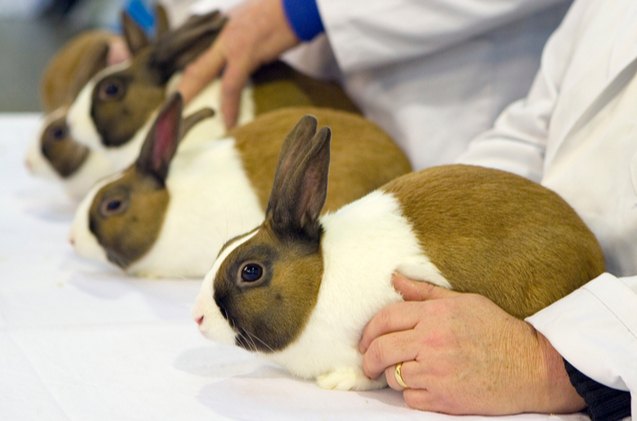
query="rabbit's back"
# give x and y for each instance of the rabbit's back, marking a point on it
(363, 157)
(498, 234)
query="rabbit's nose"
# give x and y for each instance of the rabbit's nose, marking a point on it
(199, 320)
(28, 164)
(72, 240)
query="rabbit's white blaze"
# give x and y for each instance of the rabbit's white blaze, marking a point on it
(362, 245)
(205, 312)
(84, 242)
(79, 118)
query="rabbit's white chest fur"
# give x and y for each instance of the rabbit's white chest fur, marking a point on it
(211, 200)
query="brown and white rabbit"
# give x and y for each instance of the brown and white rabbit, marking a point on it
(173, 221)
(300, 288)
(114, 111)
(55, 154)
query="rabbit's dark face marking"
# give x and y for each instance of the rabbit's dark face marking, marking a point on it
(123, 101)
(266, 290)
(64, 154)
(126, 216)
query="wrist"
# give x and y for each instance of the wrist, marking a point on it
(555, 391)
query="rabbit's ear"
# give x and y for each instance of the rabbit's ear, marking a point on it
(162, 140)
(91, 63)
(135, 37)
(187, 42)
(195, 118)
(300, 183)
(295, 145)
(162, 23)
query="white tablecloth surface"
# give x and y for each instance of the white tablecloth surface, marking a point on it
(84, 342)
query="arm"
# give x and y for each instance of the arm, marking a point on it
(362, 33)
(369, 33)
(517, 142)
(256, 33)
(454, 346)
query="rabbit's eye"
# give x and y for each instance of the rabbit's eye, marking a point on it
(111, 89)
(57, 133)
(251, 272)
(113, 206)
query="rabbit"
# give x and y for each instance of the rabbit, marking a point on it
(60, 74)
(115, 110)
(170, 223)
(55, 154)
(300, 288)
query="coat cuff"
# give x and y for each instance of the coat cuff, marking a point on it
(304, 18)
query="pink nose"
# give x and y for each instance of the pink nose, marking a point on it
(72, 241)
(199, 320)
(28, 164)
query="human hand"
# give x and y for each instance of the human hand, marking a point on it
(256, 33)
(462, 354)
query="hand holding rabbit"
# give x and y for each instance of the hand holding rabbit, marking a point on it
(256, 34)
(453, 346)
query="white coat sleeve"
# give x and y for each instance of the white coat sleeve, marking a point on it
(369, 33)
(517, 141)
(595, 330)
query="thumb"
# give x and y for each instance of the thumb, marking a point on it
(419, 290)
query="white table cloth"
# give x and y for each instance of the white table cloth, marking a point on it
(84, 342)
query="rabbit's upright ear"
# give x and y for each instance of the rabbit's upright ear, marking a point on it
(90, 64)
(162, 23)
(187, 42)
(160, 145)
(300, 183)
(135, 36)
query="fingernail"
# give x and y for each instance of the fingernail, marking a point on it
(395, 275)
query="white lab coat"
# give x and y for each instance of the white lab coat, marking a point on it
(433, 73)
(576, 132)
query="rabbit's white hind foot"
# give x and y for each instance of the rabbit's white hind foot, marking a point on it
(349, 378)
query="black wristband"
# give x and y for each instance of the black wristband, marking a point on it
(604, 403)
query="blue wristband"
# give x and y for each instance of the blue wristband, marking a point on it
(304, 18)
(141, 13)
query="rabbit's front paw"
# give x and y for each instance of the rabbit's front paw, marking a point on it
(349, 378)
